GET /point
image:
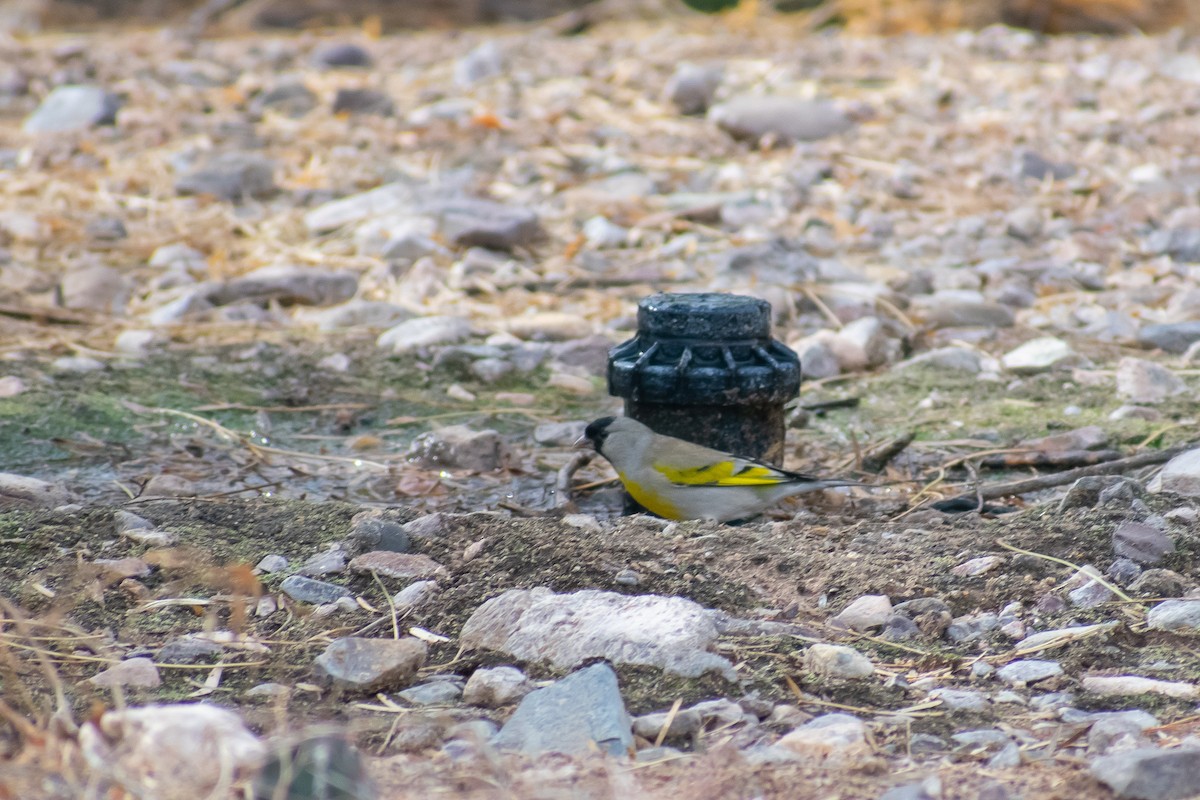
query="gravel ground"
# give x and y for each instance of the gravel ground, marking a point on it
(277, 267)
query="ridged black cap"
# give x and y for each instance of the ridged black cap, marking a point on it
(706, 316)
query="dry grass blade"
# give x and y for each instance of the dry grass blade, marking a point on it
(666, 726)
(1106, 584)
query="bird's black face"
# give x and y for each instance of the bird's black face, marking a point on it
(597, 431)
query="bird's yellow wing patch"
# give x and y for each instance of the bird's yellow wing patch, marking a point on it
(654, 503)
(723, 473)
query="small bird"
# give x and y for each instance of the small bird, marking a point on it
(680, 480)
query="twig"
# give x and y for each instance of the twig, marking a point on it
(1070, 476)
(562, 486)
(391, 605)
(666, 726)
(879, 458)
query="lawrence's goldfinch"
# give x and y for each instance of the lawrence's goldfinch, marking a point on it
(680, 480)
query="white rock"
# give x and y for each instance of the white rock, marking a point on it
(496, 686)
(1122, 685)
(423, 332)
(1181, 475)
(1037, 355)
(19, 491)
(601, 233)
(817, 359)
(567, 629)
(1141, 381)
(76, 364)
(549, 326)
(837, 661)
(137, 342)
(863, 344)
(868, 611)
(1172, 615)
(11, 386)
(96, 288)
(391, 198)
(949, 359)
(831, 740)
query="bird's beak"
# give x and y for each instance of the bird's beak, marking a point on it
(583, 443)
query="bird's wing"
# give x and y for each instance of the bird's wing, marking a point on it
(726, 470)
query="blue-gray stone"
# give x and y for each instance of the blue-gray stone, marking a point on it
(1029, 670)
(1174, 337)
(1149, 773)
(581, 711)
(307, 590)
(434, 693)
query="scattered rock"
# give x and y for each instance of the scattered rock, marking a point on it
(1149, 773)
(286, 284)
(790, 119)
(1174, 337)
(458, 447)
(231, 176)
(817, 359)
(868, 611)
(1125, 685)
(424, 332)
(1180, 475)
(1142, 381)
(1025, 223)
(397, 565)
(960, 699)
(1091, 591)
(837, 661)
(271, 563)
(965, 314)
(692, 87)
(140, 672)
(290, 98)
(11, 386)
(1173, 615)
(371, 530)
(549, 326)
(329, 562)
(106, 229)
(947, 359)
(1142, 543)
(188, 649)
(434, 693)
(415, 595)
(558, 434)
(485, 61)
(307, 590)
(829, 741)
(1037, 356)
(1160, 583)
(567, 629)
(481, 223)
(363, 101)
(572, 716)
(1028, 671)
(371, 665)
(976, 566)
(493, 687)
(342, 54)
(73, 108)
(18, 491)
